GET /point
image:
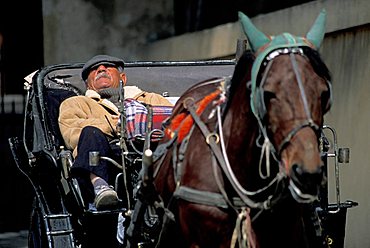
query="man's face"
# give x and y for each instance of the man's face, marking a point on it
(104, 76)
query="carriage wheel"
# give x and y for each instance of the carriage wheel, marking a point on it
(37, 232)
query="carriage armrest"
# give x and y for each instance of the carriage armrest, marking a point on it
(66, 159)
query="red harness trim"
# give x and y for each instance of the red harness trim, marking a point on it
(183, 121)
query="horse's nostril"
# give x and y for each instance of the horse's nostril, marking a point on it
(307, 182)
(298, 170)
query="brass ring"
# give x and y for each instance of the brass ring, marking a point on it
(212, 135)
(187, 99)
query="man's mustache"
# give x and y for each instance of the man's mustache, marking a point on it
(101, 75)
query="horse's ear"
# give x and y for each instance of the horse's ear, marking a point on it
(317, 31)
(256, 38)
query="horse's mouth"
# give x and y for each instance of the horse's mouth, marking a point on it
(305, 186)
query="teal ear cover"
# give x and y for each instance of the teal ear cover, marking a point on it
(257, 40)
(317, 31)
(255, 37)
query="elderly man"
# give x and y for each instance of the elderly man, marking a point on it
(87, 123)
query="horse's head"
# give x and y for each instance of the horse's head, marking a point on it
(290, 94)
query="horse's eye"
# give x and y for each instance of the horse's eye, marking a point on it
(325, 100)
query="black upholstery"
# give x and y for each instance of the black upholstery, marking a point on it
(53, 99)
(59, 85)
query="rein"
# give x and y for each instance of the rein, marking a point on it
(220, 158)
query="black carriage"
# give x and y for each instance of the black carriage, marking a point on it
(59, 217)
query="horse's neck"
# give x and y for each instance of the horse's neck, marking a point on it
(240, 127)
(243, 140)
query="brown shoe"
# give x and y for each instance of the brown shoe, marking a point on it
(106, 198)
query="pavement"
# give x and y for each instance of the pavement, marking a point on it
(14, 239)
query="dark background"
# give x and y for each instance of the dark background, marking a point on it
(21, 53)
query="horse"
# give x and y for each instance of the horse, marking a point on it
(240, 160)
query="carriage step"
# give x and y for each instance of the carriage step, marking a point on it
(58, 224)
(334, 220)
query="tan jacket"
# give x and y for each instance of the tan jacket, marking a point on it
(78, 112)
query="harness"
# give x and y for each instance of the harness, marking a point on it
(241, 204)
(220, 156)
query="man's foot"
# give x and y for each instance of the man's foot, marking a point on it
(106, 198)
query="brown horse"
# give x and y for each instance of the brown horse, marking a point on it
(241, 156)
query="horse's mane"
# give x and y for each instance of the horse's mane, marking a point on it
(242, 70)
(241, 74)
(317, 63)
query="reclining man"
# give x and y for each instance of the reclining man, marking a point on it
(88, 123)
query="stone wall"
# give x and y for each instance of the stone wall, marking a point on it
(347, 56)
(75, 30)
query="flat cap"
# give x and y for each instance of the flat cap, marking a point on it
(100, 60)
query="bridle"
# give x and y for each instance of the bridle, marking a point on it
(259, 109)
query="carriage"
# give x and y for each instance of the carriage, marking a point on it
(60, 218)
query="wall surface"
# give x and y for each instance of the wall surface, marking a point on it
(221, 40)
(347, 54)
(74, 30)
